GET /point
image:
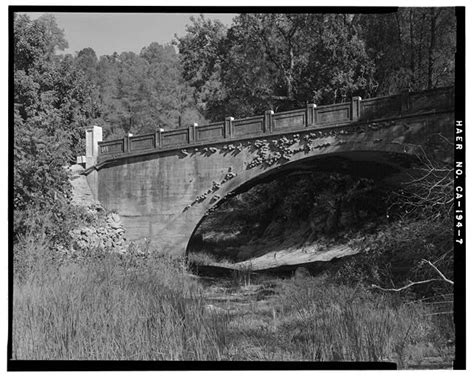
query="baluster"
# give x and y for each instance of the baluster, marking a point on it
(310, 115)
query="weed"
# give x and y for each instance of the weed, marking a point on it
(145, 306)
(107, 308)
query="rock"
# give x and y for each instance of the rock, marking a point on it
(113, 218)
(214, 309)
(301, 272)
(115, 226)
(76, 171)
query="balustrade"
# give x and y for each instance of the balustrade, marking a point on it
(313, 117)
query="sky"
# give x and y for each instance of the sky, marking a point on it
(119, 32)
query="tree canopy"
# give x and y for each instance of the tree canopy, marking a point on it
(282, 61)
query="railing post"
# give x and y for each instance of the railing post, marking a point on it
(93, 137)
(310, 115)
(355, 108)
(192, 132)
(228, 127)
(268, 122)
(126, 143)
(405, 101)
(158, 138)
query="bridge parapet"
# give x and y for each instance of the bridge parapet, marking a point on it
(312, 117)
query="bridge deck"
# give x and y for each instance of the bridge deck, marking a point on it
(311, 118)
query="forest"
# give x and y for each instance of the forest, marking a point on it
(262, 61)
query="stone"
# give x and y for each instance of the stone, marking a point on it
(114, 217)
(301, 273)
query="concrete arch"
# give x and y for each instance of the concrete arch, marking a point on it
(392, 157)
(163, 195)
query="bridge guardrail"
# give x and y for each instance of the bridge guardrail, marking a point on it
(209, 132)
(313, 116)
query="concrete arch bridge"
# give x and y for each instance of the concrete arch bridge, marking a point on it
(164, 184)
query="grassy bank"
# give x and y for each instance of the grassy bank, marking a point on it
(312, 319)
(108, 307)
(149, 308)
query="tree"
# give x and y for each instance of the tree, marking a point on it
(201, 52)
(274, 61)
(53, 104)
(140, 93)
(169, 98)
(413, 48)
(86, 60)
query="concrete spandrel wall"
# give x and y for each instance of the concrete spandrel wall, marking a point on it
(157, 189)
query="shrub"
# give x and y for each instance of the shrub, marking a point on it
(392, 256)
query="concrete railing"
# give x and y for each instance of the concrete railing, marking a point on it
(312, 117)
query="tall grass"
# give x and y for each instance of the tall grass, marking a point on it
(315, 320)
(108, 307)
(351, 324)
(146, 307)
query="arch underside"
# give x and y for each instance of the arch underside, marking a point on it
(376, 164)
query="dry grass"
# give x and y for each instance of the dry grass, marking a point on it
(106, 308)
(310, 319)
(123, 308)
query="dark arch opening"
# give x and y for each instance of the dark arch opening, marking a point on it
(290, 206)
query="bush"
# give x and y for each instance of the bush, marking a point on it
(393, 256)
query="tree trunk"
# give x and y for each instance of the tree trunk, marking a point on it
(400, 43)
(289, 73)
(412, 50)
(420, 41)
(432, 46)
(332, 224)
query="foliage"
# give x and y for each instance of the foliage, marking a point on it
(421, 214)
(200, 52)
(393, 256)
(428, 193)
(143, 306)
(274, 61)
(283, 61)
(413, 48)
(53, 104)
(319, 197)
(348, 323)
(139, 93)
(106, 309)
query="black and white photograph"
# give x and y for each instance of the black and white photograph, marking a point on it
(236, 188)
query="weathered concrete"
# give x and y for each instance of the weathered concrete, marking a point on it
(93, 138)
(163, 192)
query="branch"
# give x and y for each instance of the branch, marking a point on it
(439, 272)
(443, 278)
(446, 139)
(406, 286)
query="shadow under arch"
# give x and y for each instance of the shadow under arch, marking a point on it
(376, 164)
